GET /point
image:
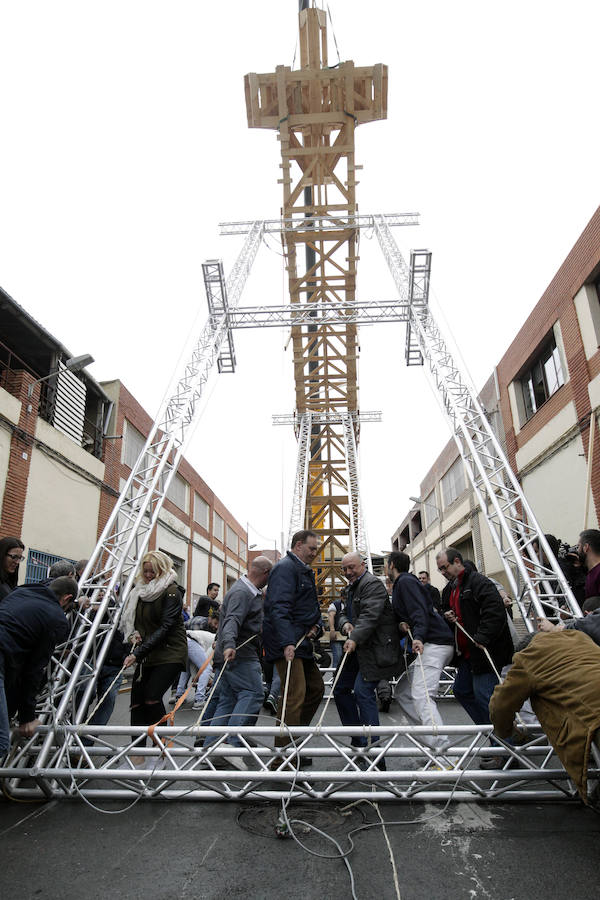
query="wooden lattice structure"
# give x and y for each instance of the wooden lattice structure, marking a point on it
(316, 110)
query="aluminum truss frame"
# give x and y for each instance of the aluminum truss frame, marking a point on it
(174, 770)
(357, 530)
(511, 521)
(319, 223)
(328, 417)
(109, 573)
(298, 514)
(218, 306)
(322, 313)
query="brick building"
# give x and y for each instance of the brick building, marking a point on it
(541, 399)
(66, 450)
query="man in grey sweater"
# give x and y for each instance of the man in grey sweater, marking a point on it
(240, 687)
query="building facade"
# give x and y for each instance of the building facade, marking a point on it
(543, 401)
(67, 445)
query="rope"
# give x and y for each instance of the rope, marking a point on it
(335, 681)
(429, 703)
(287, 683)
(491, 662)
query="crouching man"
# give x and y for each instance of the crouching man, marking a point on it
(32, 623)
(560, 673)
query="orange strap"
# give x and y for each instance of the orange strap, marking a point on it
(170, 716)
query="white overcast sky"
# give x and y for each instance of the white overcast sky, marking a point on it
(124, 143)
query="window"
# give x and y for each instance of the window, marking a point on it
(218, 527)
(134, 444)
(430, 509)
(242, 553)
(178, 566)
(177, 492)
(543, 378)
(201, 511)
(453, 482)
(232, 539)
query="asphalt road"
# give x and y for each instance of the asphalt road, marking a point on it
(64, 850)
(162, 851)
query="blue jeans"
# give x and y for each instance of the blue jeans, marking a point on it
(240, 697)
(275, 688)
(473, 692)
(356, 699)
(196, 655)
(336, 653)
(4, 720)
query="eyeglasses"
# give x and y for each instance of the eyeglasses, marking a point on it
(16, 558)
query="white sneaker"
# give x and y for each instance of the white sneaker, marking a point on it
(199, 704)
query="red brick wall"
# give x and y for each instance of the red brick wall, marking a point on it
(128, 408)
(21, 444)
(557, 304)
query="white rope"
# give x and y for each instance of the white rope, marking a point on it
(429, 703)
(486, 651)
(287, 684)
(335, 681)
(214, 687)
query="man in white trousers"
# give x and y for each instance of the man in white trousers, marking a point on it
(432, 640)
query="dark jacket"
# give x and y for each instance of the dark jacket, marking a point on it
(484, 618)
(241, 618)
(589, 624)
(412, 603)
(291, 608)
(160, 624)
(204, 604)
(435, 596)
(375, 628)
(32, 623)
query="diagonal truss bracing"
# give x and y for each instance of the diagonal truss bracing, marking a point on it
(513, 526)
(109, 573)
(360, 541)
(298, 515)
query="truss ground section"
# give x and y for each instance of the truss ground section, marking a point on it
(119, 766)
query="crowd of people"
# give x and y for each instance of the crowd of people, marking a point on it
(258, 648)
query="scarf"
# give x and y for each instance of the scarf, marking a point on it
(147, 593)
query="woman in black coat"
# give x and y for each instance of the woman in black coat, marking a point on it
(11, 555)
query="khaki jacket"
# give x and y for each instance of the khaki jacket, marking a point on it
(560, 672)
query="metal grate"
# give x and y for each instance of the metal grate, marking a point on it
(38, 564)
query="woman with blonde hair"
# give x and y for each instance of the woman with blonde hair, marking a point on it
(152, 620)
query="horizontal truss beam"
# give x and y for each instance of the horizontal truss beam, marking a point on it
(323, 223)
(175, 770)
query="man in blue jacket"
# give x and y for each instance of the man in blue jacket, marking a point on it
(432, 640)
(32, 623)
(292, 612)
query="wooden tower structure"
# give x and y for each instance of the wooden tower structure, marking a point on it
(315, 110)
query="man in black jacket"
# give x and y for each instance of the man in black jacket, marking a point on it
(32, 623)
(373, 646)
(292, 613)
(432, 640)
(475, 606)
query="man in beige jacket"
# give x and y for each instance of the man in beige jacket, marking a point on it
(560, 672)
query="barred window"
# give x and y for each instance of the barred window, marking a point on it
(453, 482)
(134, 444)
(201, 511)
(232, 539)
(218, 527)
(177, 492)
